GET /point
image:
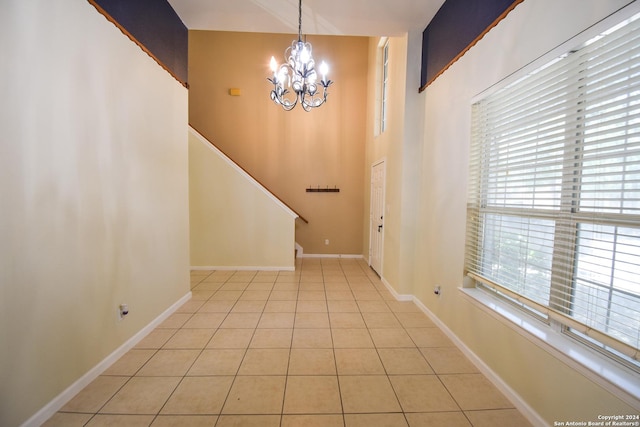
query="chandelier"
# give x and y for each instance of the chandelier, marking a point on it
(299, 75)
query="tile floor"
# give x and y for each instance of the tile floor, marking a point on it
(326, 345)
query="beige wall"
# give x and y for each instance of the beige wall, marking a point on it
(93, 196)
(288, 151)
(234, 222)
(551, 387)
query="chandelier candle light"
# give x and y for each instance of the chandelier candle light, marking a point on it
(299, 75)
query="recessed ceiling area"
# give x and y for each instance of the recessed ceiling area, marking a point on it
(326, 17)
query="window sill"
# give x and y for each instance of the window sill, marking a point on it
(614, 377)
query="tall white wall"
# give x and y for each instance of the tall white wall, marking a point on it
(93, 196)
(549, 386)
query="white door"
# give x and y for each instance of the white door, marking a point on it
(376, 216)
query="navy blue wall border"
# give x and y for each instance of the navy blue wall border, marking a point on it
(455, 28)
(155, 27)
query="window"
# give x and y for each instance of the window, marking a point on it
(385, 85)
(553, 221)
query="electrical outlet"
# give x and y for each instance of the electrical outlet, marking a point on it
(326, 242)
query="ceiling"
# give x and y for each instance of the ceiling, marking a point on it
(327, 17)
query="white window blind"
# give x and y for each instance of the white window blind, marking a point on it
(554, 203)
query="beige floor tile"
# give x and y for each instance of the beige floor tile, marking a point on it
(474, 392)
(351, 338)
(312, 320)
(381, 320)
(315, 361)
(311, 278)
(169, 363)
(283, 285)
(320, 420)
(218, 306)
(265, 361)
(199, 395)
(235, 287)
(190, 306)
(156, 338)
(217, 362)
(271, 338)
(231, 338)
(429, 337)
(390, 337)
(311, 287)
(261, 286)
(448, 360)
(226, 295)
(373, 307)
(189, 338)
(130, 362)
(309, 295)
(311, 338)
(311, 306)
(249, 421)
(346, 320)
(291, 295)
(201, 294)
(403, 307)
(497, 418)
(377, 420)
(184, 420)
(95, 395)
(334, 294)
(399, 361)
(422, 393)
(205, 320)
(67, 419)
(342, 306)
(339, 287)
(255, 395)
(367, 394)
(312, 395)
(280, 307)
(241, 320)
(255, 295)
(358, 361)
(449, 419)
(176, 320)
(141, 395)
(208, 286)
(415, 320)
(366, 295)
(276, 320)
(249, 306)
(111, 420)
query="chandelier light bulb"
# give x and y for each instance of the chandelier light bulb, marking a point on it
(324, 70)
(273, 65)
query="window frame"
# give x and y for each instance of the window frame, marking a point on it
(567, 204)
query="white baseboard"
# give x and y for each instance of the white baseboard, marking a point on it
(60, 400)
(396, 295)
(532, 416)
(242, 268)
(354, 256)
(299, 251)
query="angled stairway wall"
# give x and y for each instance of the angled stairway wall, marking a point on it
(235, 223)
